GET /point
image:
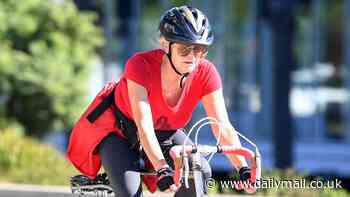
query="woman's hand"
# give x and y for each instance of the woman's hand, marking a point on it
(244, 173)
(165, 179)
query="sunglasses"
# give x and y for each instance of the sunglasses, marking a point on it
(198, 50)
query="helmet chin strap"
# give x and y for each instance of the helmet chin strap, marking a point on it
(183, 75)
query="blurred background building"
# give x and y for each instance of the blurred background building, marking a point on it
(284, 65)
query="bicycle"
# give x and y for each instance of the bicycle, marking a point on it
(180, 154)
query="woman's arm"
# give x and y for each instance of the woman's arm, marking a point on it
(214, 105)
(142, 114)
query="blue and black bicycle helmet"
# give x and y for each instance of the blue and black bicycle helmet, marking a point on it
(187, 25)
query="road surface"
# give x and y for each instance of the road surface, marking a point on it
(24, 190)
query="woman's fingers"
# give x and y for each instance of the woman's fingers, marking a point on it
(172, 188)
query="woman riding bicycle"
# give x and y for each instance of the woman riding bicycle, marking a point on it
(153, 100)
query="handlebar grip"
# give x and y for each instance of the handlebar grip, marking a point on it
(249, 155)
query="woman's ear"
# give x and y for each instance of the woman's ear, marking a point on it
(164, 44)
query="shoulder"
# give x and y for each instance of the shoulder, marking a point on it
(205, 64)
(144, 61)
(207, 74)
(208, 77)
(141, 67)
(147, 57)
(205, 67)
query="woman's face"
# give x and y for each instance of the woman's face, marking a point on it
(186, 57)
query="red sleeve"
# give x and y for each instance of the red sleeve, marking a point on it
(211, 79)
(136, 69)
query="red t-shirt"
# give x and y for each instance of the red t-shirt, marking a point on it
(145, 69)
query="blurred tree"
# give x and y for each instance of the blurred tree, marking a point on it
(44, 52)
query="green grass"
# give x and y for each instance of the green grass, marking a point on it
(25, 160)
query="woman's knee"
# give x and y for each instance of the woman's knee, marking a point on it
(179, 138)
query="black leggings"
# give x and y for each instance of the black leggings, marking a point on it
(122, 165)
